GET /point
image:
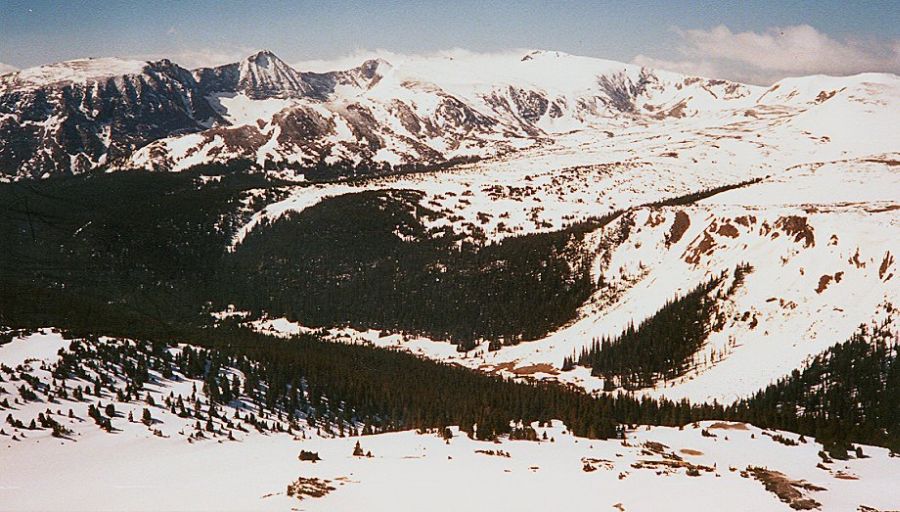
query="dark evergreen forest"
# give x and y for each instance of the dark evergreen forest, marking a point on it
(143, 256)
(342, 262)
(155, 244)
(660, 347)
(849, 393)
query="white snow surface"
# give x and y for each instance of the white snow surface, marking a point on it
(241, 110)
(135, 470)
(76, 71)
(823, 152)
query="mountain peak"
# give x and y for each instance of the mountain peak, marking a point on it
(371, 67)
(265, 58)
(264, 75)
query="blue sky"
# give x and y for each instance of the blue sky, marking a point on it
(674, 34)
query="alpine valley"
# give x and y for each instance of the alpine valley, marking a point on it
(516, 281)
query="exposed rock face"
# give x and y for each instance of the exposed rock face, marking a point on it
(530, 105)
(260, 76)
(80, 122)
(75, 116)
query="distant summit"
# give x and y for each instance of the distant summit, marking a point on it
(71, 117)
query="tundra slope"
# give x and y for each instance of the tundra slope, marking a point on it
(821, 265)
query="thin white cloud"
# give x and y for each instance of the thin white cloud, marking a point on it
(200, 57)
(6, 68)
(347, 61)
(778, 52)
(702, 68)
(357, 57)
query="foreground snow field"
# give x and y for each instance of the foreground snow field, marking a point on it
(409, 471)
(706, 466)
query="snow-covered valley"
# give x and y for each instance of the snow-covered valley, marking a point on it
(820, 238)
(816, 219)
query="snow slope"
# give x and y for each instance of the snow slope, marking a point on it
(133, 469)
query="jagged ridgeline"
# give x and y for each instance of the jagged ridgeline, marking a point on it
(367, 260)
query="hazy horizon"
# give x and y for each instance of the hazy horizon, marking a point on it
(756, 42)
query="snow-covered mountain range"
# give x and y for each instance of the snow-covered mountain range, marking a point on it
(816, 218)
(558, 139)
(79, 115)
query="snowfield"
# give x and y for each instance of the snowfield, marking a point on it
(79, 71)
(706, 466)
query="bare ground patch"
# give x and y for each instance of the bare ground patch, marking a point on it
(798, 227)
(728, 230)
(591, 464)
(535, 368)
(824, 281)
(309, 488)
(681, 224)
(745, 220)
(703, 244)
(891, 163)
(789, 491)
(521, 371)
(670, 462)
(885, 265)
(494, 453)
(888, 208)
(721, 425)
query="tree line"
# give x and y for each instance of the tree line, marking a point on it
(143, 256)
